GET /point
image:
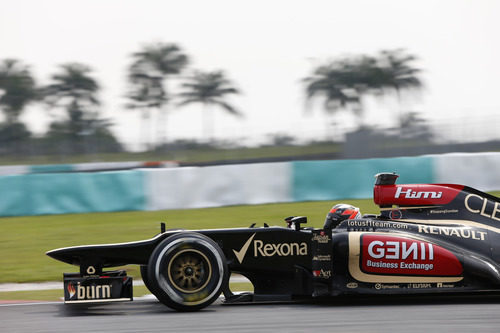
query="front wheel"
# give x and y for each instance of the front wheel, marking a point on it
(187, 271)
(145, 277)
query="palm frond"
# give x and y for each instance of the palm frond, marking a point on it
(229, 108)
(208, 88)
(188, 101)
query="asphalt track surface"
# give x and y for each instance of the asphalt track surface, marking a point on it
(479, 314)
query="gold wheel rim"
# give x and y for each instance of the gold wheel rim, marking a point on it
(189, 271)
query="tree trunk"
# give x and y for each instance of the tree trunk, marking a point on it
(145, 134)
(208, 123)
(162, 126)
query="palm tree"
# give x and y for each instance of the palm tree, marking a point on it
(333, 83)
(146, 94)
(209, 89)
(398, 74)
(344, 83)
(339, 84)
(74, 90)
(17, 88)
(72, 86)
(148, 74)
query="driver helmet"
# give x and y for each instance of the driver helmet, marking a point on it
(339, 213)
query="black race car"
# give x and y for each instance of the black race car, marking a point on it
(428, 238)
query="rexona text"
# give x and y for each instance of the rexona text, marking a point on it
(279, 249)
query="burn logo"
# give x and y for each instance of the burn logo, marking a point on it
(71, 290)
(93, 292)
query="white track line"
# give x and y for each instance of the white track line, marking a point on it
(29, 303)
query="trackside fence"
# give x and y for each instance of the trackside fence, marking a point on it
(195, 187)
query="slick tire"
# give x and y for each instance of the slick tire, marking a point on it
(187, 271)
(145, 277)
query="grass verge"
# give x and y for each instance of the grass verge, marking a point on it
(202, 154)
(24, 240)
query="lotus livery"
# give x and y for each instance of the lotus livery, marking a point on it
(427, 239)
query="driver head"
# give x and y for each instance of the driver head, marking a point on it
(339, 213)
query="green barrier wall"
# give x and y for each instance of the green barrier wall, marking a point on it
(39, 194)
(353, 179)
(62, 193)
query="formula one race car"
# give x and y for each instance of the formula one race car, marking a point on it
(428, 238)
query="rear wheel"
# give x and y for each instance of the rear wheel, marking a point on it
(187, 271)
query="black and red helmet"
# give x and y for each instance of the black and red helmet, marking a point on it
(339, 213)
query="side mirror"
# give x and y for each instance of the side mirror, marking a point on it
(296, 221)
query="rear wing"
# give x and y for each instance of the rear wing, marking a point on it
(434, 201)
(386, 193)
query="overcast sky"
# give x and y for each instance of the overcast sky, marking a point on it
(266, 48)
